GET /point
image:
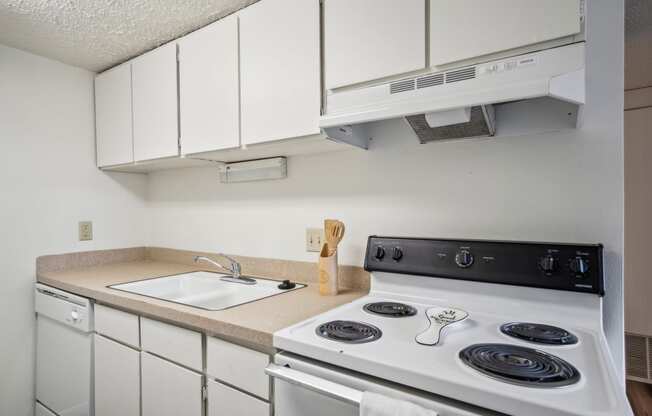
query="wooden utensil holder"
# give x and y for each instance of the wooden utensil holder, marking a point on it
(327, 273)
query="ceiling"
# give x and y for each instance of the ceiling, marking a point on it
(98, 34)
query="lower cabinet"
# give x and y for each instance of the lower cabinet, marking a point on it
(169, 389)
(117, 378)
(145, 367)
(224, 400)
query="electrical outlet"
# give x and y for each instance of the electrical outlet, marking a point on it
(314, 239)
(85, 230)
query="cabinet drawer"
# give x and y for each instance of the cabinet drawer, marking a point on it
(117, 379)
(224, 400)
(239, 366)
(119, 325)
(176, 344)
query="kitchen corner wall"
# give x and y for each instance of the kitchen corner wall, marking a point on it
(49, 182)
(565, 186)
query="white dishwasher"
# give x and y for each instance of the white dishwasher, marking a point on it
(63, 353)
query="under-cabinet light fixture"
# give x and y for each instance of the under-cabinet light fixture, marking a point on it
(254, 170)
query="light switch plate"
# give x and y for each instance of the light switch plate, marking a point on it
(314, 239)
(85, 230)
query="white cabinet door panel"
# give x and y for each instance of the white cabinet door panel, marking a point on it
(117, 379)
(208, 87)
(113, 116)
(463, 29)
(280, 70)
(241, 367)
(156, 131)
(224, 400)
(168, 389)
(370, 39)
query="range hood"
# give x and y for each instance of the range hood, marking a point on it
(537, 91)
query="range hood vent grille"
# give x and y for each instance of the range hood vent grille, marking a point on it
(401, 86)
(430, 81)
(460, 75)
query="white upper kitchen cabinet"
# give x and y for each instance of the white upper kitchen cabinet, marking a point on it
(154, 77)
(280, 70)
(464, 29)
(208, 87)
(369, 39)
(113, 116)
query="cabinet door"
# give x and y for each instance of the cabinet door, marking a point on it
(156, 132)
(117, 379)
(113, 132)
(224, 400)
(464, 29)
(208, 88)
(168, 389)
(370, 39)
(238, 366)
(280, 70)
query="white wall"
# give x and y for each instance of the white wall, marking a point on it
(49, 182)
(556, 187)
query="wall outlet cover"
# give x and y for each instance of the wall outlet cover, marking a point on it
(314, 239)
(85, 230)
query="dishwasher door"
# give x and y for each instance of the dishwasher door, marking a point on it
(306, 387)
(63, 352)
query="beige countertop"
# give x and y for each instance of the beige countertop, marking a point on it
(251, 324)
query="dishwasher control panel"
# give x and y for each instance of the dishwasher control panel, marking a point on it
(64, 307)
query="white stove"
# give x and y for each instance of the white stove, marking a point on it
(522, 350)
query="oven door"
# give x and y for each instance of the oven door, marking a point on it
(306, 387)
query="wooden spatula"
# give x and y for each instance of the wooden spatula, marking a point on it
(334, 232)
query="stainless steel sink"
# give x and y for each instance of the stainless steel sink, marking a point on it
(204, 290)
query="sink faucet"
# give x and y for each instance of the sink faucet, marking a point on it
(234, 268)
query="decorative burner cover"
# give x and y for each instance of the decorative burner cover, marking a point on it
(520, 365)
(349, 332)
(391, 309)
(538, 333)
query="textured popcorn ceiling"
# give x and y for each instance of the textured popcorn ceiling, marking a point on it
(98, 34)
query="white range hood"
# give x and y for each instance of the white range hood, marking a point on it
(477, 100)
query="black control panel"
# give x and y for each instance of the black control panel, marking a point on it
(571, 267)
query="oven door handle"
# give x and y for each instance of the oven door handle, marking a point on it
(316, 384)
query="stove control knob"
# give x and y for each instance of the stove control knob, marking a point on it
(579, 266)
(397, 253)
(548, 264)
(464, 258)
(380, 253)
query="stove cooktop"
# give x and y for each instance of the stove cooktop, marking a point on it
(509, 363)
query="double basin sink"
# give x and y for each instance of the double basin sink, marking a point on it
(204, 290)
